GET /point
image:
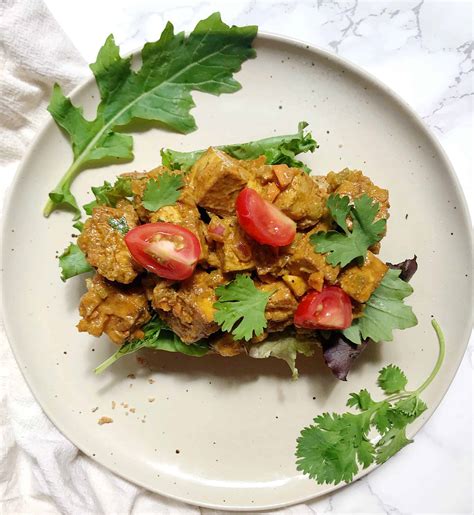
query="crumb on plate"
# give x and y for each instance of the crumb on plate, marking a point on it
(104, 420)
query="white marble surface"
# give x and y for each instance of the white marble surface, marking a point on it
(422, 50)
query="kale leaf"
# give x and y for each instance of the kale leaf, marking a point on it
(160, 91)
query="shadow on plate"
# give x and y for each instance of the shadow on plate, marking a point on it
(230, 373)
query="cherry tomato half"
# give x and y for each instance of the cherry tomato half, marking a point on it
(167, 250)
(329, 309)
(263, 221)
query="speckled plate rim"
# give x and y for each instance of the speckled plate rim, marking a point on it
(407, 111)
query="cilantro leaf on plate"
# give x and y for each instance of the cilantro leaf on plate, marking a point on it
(410, 407)
(362, 400)
(391, 379)
(277, 150)
(157, 336)
(332, 449)
(285, 348)
(160, 90)
(385, 311)
(392, 442)
(240, 308)
(336, 446)
(162, 192)
(73, 262)
(341, 249)
(109, 194)
(382, 421)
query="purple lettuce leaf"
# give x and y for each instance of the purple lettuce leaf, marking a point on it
(407, 267)
(339, 354)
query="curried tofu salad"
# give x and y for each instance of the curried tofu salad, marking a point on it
(235, 249)
(233, 256)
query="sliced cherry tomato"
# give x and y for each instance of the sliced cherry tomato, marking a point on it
(329, 309)
(167, 250)
(263, 221)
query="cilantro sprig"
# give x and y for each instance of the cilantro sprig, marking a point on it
(162, 192)
(240, 308)
(343, 247)
(157, 336)
(336, 446)
(160, 90)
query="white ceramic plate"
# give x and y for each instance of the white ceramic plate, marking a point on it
(235, 421)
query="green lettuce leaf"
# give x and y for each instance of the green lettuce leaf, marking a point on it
(277, 150)
(158, 337)
(160, 91)
(73, 262)
(285, 348)
(384, 311)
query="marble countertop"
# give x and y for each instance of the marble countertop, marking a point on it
(423, 51)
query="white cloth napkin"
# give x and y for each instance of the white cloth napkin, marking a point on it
(40, 470)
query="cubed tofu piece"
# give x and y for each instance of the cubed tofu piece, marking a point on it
(353, 184)
(217, 179)
(305, 259)
(281, 305)
(323, 184)
(284, 174)
(359, 282)
(316, 281)
(270, 192)
(302, 201)
(234, 250)
(296, 284)
(262, 178)
(104, 246)
(260, 173)
(116, 310)
(189, 308)
(225, 345)
(270, 260)
(258, 168)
